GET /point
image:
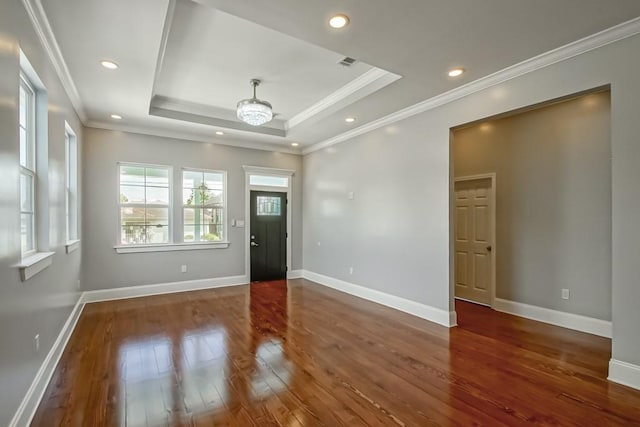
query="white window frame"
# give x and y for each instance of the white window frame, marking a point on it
(170, 228)
(29, 170)
(33, 261)
(71, 189)
(224, 241)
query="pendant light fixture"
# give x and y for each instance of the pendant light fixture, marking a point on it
(254, 111)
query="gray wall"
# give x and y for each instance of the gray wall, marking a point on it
(397, 233)
(103, 268)
(387, 233)
(42, 304)
(553, 205)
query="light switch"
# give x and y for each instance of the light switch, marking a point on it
(240, 223)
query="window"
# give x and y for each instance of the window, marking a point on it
(71, 183)
(270, 181)
(203, 200)
(145, 201)
(268, 206)
(27, 125)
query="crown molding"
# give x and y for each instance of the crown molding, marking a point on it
(578, 47)
(48, 40)
(184, 136)
(340, 95)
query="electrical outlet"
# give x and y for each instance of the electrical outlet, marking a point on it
(36, 340)
(350, 195)
(350, 270)
(78, 284)
(183, 268)
(565, 294)
(318, 243)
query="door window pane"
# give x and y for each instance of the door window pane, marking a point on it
(268, 206)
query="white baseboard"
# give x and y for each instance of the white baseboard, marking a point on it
(162, 288)
(589, 325)
(31, 400)
(624, 373)
(294, 274)
(423, 311)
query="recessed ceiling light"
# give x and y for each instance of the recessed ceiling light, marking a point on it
(339, 21)
(109, 64)
(456, 72)
(116, 117)
(219, 132)
(350, 119)
(294, 144)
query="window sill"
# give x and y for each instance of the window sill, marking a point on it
(170, 247)
(72, 245)
(34, 264)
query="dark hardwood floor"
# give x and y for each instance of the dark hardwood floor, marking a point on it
(303, 355)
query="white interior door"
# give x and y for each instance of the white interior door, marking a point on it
(473, 235)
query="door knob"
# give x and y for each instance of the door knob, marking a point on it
(254, 244)
(488, 248)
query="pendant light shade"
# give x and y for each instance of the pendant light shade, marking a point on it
(254, 111)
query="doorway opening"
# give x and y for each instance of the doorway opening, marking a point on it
(268, 223)
(531, 213)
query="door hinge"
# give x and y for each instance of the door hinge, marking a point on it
(286, 235)
(286, 268)
(286, 202)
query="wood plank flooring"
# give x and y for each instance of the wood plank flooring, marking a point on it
(304, 355)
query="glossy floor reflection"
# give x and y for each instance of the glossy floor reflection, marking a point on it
(298, 354)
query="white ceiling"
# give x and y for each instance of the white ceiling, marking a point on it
(210, 56)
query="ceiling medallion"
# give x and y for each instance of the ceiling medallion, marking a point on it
(254, 111)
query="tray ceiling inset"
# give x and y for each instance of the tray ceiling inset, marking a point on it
(208, 57)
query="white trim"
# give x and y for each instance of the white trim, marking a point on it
(578, 47)
(188, 135)
(72, 245)
(259, 170)
(162, 288)
(166, 29)
(340, 95)
(31, 400)
(294, 274)
(50, 45)
(171, 247)
(624, 373)
(433, 314)
(576, 322)
(494, 241)
(453, 318)
(34, 264)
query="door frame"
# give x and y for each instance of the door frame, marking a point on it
(263, 171)
(494, 250)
